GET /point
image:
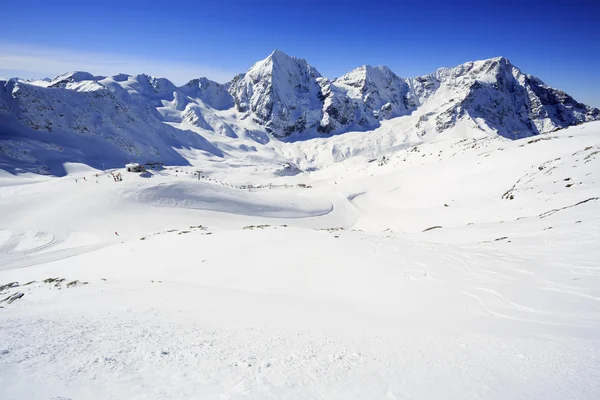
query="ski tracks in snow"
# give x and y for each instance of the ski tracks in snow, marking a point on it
(497, 282)
(25, 249)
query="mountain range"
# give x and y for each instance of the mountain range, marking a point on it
(79, 117)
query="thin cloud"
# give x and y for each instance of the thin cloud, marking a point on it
(37, 62)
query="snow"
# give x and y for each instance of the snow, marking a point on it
(382, 92)
(281, 204)
(280, 110)
(410, 276)
(281, 92)
(366, 237)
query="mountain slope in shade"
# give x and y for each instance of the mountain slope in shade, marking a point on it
(85, 122)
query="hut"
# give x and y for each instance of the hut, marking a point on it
(134, 167)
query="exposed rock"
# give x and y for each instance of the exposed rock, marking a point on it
(12, 298)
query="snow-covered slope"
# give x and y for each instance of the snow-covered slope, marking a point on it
(495, 96)
(422, 253)
(78, 117)
(459, 268)
(377, 90)
(287, 96)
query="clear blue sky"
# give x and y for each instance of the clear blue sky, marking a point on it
(555, 40)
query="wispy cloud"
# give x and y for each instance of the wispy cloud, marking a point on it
(28, 61)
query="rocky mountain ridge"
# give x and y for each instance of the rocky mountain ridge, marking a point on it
(280, 97)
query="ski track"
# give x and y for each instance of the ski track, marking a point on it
(15, 254)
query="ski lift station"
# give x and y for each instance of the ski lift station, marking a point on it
(134, 167)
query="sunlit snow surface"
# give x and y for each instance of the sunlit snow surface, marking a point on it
(410, 277)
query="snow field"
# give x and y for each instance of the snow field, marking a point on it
(337, 291)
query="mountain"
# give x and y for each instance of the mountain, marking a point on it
(75, 120)
(281, 93)
(286, 95)
(376, 92)
(495, 96)
(79, 117)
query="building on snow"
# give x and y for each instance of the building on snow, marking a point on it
(135, 167)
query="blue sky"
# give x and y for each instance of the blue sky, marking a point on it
(556, 40)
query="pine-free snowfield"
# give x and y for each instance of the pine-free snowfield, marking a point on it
(413, 277)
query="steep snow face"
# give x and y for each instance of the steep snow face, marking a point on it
(339, 111)
(211, 93)
(378, 92)
(143, 88)
(362, 98)
(495, 96)
(281, 93)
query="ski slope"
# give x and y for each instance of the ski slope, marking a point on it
(462, 268)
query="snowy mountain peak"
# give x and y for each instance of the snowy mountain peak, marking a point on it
(498, 63)
(282, 96)
(72, 77)
(366, 73)
(209, 92)
(278, 53)
(494, 96)
(120, 77)
(279, 92)
(199, 82)
(497, 60)
(481, 68)
(279, 59)
(280, 63)
(377, 93)
(278, 56)
(158, 85)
